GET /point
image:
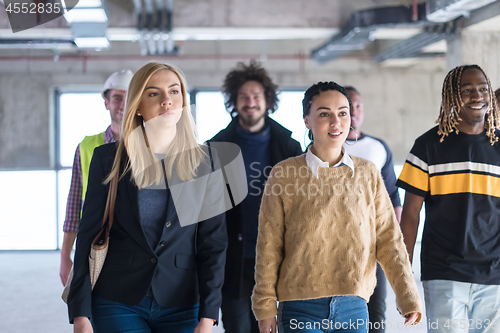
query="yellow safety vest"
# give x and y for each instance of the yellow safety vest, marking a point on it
(87, 147)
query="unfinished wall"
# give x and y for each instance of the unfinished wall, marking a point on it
(481, 48)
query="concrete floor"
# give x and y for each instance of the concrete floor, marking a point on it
(30, 291)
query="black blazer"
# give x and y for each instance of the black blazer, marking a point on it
(186, 268)
(282, 146)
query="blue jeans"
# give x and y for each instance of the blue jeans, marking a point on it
(347, 314)
(459, 307)
(145, 317)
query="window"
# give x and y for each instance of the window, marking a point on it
(33, 203)
(289, 114)
(211, 115)
(80, 114)
(28, 210)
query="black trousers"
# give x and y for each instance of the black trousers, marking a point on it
(237, 315)
(376, 305)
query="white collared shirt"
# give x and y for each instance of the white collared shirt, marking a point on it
(314, 162)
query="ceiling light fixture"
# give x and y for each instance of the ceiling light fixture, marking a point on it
(86, 15)
(92, 42)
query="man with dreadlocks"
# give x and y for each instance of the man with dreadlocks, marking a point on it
(455, 169)
(251, 97)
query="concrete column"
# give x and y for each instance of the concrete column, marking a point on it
(476, 47)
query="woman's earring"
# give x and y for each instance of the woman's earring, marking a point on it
(306, 133)
(139, 114)
(354, 141)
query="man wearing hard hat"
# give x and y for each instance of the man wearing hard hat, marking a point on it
(114, 93)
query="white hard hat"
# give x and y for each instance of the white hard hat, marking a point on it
(118, 80)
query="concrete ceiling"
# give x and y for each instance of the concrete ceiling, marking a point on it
(238, 26)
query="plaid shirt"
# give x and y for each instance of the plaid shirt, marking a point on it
(75, 204)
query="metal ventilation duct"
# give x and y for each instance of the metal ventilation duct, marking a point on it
(357, 33)
(89, 23)
(447, 10)
(412, 47)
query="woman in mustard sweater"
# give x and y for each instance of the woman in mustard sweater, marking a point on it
(325, 221)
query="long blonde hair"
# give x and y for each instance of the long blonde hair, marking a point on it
(184, 152)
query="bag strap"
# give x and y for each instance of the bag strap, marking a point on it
(101, 240)
(110, 203)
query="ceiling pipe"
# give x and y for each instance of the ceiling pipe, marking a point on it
(50, 44)
(169, 13)
(148, 8)
(139, 13)
(151, 42)
(156, 30)
(415, 10)
(159, 14)
(187, 57)
(160, 44)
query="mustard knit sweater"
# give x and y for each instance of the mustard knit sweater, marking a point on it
(322, 237)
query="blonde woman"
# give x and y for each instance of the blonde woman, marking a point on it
(325, 221)
(163, 271)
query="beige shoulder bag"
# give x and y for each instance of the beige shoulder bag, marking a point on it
(99, 247)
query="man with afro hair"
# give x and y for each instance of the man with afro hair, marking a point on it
(250, 97)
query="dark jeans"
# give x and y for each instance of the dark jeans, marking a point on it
(145, 317)
(237, 315)
(376, 304)
(346, 314)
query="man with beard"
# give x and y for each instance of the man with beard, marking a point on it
(376, 151)
(250, 97)
(114, 92)
(455, 169)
